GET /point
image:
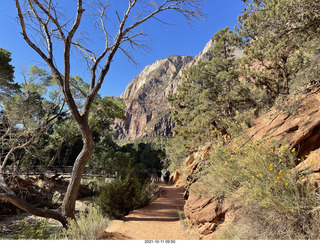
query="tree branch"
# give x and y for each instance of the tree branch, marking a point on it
(45, 29)
(49, 61)
(54, 20)
(26, 144)
(46, 213)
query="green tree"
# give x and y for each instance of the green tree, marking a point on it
(276, 31)
(63, 136)
(27, 113)
(7, 84)
(210, 93)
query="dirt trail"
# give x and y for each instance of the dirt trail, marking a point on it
(158, 221)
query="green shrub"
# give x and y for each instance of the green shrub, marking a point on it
(124, 194)
(280, 203)
(95, 184)
(288, 104)
(87, 226)
(260, 223)
(33, 229)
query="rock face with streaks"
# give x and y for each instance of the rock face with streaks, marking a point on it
(147, 110)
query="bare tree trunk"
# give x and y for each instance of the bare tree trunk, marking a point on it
(3, 184)
(285, 81)
(68, 206)
(285, 74)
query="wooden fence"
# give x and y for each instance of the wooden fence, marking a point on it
(62, 170)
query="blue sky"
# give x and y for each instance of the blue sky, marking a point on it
(164, 40)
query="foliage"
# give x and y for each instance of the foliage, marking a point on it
(176, 150)
(141, 156)
(260, 176)
(96, 184)
(210, 94)
(124, 194)
(288, 104)
(260, 223)
(38, 102)
(279, 34)
(27, 114)
(311, 67)
(66, 134)
(35, 229)
(298, 18)
(7, 84)
(30, 107)
(86, 226)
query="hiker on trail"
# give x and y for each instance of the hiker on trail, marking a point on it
(166, 176)
(159, 175)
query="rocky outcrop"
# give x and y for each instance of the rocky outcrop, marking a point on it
(204, 213)
(299, 130)
(147, 110)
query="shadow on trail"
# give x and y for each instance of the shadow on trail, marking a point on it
(151, 219)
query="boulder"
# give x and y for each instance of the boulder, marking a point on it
(204, 213)
(189, 160)
(176, 177)
(312, 162)
(299, 130)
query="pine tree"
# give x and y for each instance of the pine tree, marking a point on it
(210, 94)
(277, 32)
(7, 84)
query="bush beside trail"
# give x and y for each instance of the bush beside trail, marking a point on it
(124, 194)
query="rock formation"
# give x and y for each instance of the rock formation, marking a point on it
(147, 111)
(299, 130)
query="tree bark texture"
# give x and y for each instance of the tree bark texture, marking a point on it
(68, 206)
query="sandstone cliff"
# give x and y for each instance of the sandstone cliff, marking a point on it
(299, 130)
(147, 111)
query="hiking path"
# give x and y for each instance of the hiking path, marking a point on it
(158, 221)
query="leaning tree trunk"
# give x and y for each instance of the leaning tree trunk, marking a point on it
(10, 196)
(45, 213)
(68, 206)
